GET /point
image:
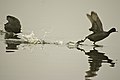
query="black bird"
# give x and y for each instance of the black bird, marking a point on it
(13, 25)
(97, 29)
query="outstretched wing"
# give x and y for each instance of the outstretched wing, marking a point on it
(96, 23)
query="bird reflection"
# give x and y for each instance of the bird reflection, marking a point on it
(95, 60)
(11, 46)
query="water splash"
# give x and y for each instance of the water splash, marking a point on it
(58, 42)
(31, 38)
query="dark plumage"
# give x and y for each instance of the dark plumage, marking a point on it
(13, 25)
(97, 29)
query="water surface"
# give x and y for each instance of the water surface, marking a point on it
(56, 62)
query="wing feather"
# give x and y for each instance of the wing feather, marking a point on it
(96, 23)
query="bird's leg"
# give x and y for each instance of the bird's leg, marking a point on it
(78, 42)
(94, 43)
(82, 40)
(97, 45)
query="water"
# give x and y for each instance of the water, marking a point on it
(24, 61)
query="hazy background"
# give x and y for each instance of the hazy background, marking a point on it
(62, 20)
(61, 17)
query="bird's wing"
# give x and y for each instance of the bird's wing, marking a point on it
(94, 27)
(97, 20)
(96, 23)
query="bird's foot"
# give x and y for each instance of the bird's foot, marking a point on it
(80, 42)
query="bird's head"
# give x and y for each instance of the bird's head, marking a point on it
(112, 30)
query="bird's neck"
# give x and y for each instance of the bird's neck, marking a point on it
(110, 31)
